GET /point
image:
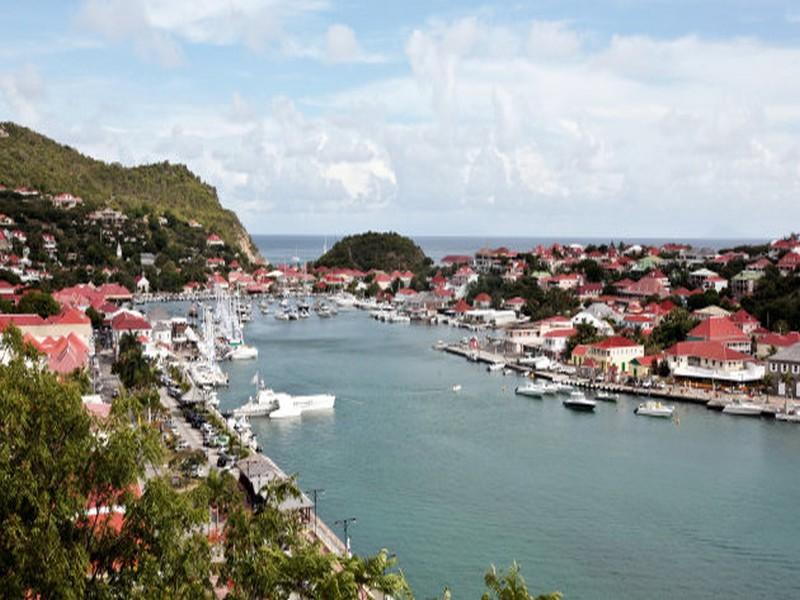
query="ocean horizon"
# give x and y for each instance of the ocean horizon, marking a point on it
(287, 248)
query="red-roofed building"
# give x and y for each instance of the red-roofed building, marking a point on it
(721, 330)
(129, 323)
(769, 342)
(712, 361)
(789, 263)
(745, 321)
(555, 341)
(483, 300)
(214, 241)
(516, 303)
(644, 288)
(456, 259)
(461, 307)
(614, 353)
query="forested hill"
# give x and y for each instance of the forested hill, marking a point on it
(371, 250)
(29, 159)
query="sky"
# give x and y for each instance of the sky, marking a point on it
(449, 117)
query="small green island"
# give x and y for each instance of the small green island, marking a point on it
(380, 251)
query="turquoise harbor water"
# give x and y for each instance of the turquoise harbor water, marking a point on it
(599, 506)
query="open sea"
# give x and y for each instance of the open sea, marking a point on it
(599, 506)
(282, 249)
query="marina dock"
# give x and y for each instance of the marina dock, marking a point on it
(713, 400)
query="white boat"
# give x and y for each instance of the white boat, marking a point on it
(498, 366)
(790, 413)
(439, 345)
(743, 409)
(532, 390)
(294, 406)
(560, 386)
(606, 396)
(578, 401)
(282, 316)
(654, 408)
(277, 405)
(457, 388)
(550, 389)
(243, 352)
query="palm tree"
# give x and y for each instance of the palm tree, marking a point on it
(511, 586)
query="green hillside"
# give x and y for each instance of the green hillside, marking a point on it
(371, 250)
(33, 160)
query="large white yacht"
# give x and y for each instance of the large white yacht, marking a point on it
(280, 405)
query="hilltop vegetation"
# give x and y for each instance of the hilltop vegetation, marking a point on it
(384, 251)
(29, 159)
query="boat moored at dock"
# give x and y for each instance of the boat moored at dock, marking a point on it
(743, 409)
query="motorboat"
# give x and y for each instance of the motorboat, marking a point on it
(282, 316)
(498, 366)
(532, 390)
(457, 388)
(440, 345)
(550, 389)
(743, 409)
(790, 413)
(654, 408)
(606, 396)
(579, 401)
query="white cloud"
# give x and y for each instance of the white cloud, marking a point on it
(524, 129)
(23, 90)
(341, 44)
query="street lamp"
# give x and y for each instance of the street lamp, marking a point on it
(315, 492)
(345, 523)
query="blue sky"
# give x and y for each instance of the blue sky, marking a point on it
(616, 117)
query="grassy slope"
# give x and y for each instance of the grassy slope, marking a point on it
(30, 159)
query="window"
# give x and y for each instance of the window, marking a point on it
(784, 367)
(773, 367)
(795, 368)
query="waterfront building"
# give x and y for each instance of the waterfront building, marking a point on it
(257, 471)
(784, 367)
(554, 342)
(712, 361)
(769, 343)
(521, 337)
(614, 353)
(722, 330)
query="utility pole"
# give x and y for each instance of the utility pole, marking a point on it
(345, 523)
(315, 492)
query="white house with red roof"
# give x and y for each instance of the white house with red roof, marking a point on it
(712, 361)
(482, 300)
(49, 242)
(614, 353)
(770, 342)
(789, 263)
(564, 281)
(142, 284)
(214, 241)
(516, 304)
(382, 280)
(127, 322)
(745, 321)
(554, 342)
